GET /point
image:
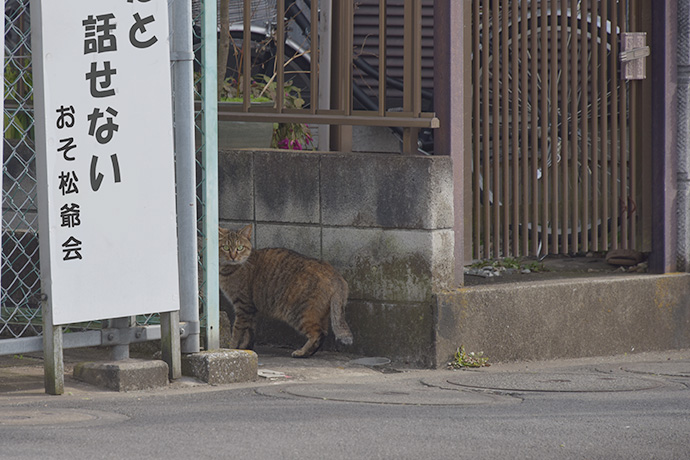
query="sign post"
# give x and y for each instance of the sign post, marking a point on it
(105, 163)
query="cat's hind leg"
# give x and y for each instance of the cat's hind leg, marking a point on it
(314, 324)
(314, 342)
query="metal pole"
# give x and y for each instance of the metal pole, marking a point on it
(664, 79)
(53, 364)
(119, 352)
(182, 55)
(453, 104)
(324, 100)
(209, 84)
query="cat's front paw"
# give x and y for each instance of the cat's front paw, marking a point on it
(300, 354)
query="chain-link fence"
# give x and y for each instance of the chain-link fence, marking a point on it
(20, 314)
(20, 311)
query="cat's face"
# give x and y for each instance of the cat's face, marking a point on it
(234, 247)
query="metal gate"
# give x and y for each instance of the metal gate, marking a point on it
(558, 166)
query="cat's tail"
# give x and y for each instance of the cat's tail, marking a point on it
(340, 328)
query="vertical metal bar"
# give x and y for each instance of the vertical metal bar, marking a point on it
(555, 144)
(341, 75)
(664, 38)
(325, 67)
(451, 59)
(534, 126)
(505, 135)
(615, 157)
(477, 102)
(576, 91)
(119, 352)
(348, 30)
(544, 125)
(280, 55)
(486, 134)
(185, 166)
(417, 60)
(596, 146)
(634, 138)
(53, 364)
(584, 107)
(515, 119)
(314, 58)
(209, 159)
(625, 198)
(382, 57)
(524, 131)
(459, 61)
(411, 69)
(605, 148)
(246, 55)
(496, 133)
(647, 204)
(565, 126)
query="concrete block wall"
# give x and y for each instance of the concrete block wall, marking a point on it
(383, 220)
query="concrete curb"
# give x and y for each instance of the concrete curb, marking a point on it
(217, 367)
(125, 375)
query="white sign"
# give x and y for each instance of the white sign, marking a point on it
(105, 162)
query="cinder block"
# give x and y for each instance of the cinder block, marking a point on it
(125, 375)
(236, 185)
(389, 191)
(218, 367)
(374, 139)
(391, 265)
(287, 187)
(399, 331)
(303, 239)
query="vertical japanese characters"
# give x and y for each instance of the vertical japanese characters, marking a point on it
(101, 39)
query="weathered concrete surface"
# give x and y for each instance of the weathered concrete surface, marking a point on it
(389, 191)
(391, 265)
(218, 367)
(386, 223)
(382, 220)
(566, 318)
(125, 375)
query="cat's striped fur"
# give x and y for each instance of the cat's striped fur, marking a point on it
(282, 284)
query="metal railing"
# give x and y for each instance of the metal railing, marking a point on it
(329, 88)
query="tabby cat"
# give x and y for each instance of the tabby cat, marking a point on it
(284, 285)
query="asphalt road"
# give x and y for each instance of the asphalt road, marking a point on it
(626, 407)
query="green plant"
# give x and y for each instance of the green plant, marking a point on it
(510, 263)
(462, 359)
(18, 92)
(289, 136)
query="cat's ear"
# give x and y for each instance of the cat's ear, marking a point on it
(247, 232)
(222, 232)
